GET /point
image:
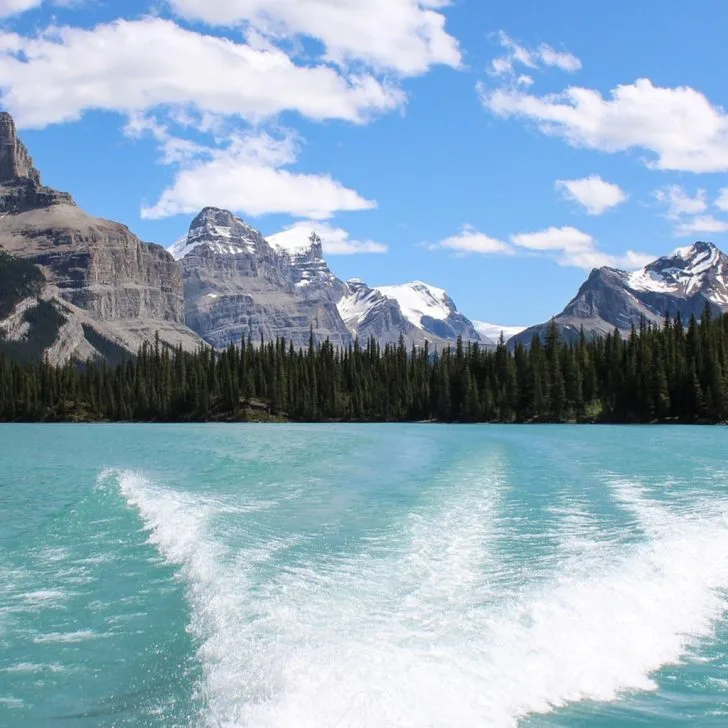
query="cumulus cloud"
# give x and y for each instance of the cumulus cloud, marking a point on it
(722, 201)
(15, 7)
(594, 194)
(679, 126)
(136, 65)
(688, 213)
(699, 225)
(533, 58)
(469, 240)
(575, 248)
(679, 202)
(406, 36)
(248, 175)
(569, 246)
(335, 240)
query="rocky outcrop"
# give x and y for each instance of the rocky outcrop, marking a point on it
(683, 282)
(125, 290)
(238, 285)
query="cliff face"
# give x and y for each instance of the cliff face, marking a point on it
(125, 289)
(239, 285)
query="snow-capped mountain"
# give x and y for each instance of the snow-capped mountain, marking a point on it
(682, 282)
(417, 311)
(494, 331)
(304, 248)
(697, 270)
(220, 232)
(238, 284)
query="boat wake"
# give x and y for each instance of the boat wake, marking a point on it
(427, 625)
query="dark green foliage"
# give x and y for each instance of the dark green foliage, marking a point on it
(671, 373)
(19, 279)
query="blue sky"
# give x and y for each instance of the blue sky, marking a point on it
(496, 149)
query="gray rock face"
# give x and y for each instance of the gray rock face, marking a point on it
(95, 269)
(237, 285)
(414, 311)
(682, 282)
(15, 162)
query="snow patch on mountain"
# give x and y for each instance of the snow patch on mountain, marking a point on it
(225, 239)
(417, 300)
(493, 331)
(295, 241)
(360, 301)
(684, 272)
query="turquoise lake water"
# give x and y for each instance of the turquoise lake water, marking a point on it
(363, 576)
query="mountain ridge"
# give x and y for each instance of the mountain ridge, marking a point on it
(240, 284)
(683, 282)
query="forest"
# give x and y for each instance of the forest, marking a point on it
(676, 372)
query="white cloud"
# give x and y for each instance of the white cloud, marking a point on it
(136, 65)
(559, 59)
(685, 211)
(678, 125)
(577, 249)
(722, 201)
(679, 202)
(567, 245)
(594, 194)
(533, 58)
(469, 240)
(406, 36)
(248, 176)
(553, 238)
(15, 7)
(336, 241)
(700, 224)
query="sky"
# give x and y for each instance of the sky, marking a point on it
(497, 149)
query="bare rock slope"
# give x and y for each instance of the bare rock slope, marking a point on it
(112, 290)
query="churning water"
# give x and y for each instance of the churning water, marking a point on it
(363, 576)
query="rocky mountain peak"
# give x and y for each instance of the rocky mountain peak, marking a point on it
(696, 269)
(682, 282)
(20, 185)
(356, 284)
(15, 162)
(692, 258)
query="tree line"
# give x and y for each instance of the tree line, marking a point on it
(674, 372)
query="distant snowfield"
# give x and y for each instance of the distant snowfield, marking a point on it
(418, 299)
(493, 331)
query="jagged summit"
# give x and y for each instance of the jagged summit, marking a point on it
(20, 184)
(15, 162)
(220, 232)
(700, 268)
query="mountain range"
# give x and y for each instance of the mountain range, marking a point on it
(73, 286)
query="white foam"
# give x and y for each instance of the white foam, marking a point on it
(33, 667)
(418, 629)
(80, 635)
(45, 595)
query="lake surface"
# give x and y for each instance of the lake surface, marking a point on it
(364, 576)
